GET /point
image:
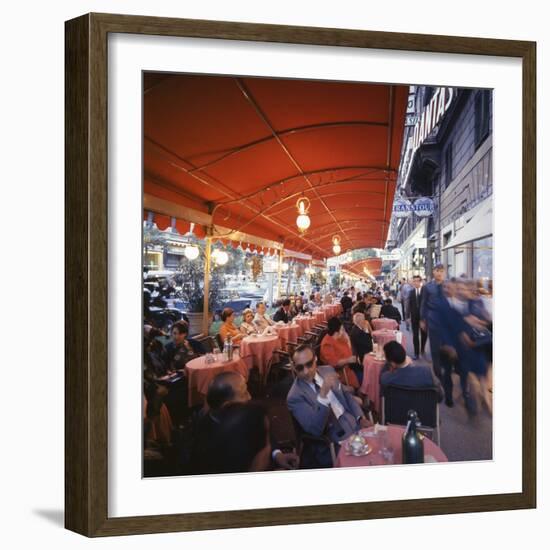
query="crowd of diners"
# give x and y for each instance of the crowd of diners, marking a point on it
(231, 432)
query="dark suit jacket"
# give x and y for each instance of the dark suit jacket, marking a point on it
(413, 376)
(391, 312)
(361, 342)
(415, 304)
(346, 302)
(281, 315)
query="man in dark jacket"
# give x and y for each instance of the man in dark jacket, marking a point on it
(226, 388)
(283, 313)
(389, 311)
(399, 371)
(415, 302)
(181, 349)
(346, 303)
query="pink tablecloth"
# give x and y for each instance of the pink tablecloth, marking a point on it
(383, 336)
(432, 453)
(383, 323)
(200, 374)
(288, 333)
(305, 323)
(331, 310)
(261, 349)
(319, 316)
(371, 379)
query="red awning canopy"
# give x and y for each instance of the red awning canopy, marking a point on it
(372, 265)
(245, 149)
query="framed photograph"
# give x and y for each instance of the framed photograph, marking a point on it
(288, 259)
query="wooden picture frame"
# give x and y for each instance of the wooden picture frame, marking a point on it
(86, 280)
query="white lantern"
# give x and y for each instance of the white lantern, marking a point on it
(336, 248)
(221, 257)
(191, 252)
(303, 221)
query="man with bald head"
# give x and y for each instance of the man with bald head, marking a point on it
(227, 388)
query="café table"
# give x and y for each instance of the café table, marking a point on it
(304, 322)
(371, 378)
(383, 336)
(384, 323)
(319, 316)
(261, 349)
(331, 310)
(432, 453)
(288, 333)
(200, 374)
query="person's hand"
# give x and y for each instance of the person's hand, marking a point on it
(450, 352)
(287, 461)
(364, 422)
(466, 340)
(475, 322)
(423, 325)
(162, 390)
(329, 382)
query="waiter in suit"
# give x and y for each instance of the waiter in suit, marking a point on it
(434, 309)
(321, 406)
(415, 301)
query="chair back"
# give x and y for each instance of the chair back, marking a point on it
(207, 342)
(398, 400)
(302, 437)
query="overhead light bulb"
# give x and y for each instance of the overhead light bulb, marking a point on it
(222, 257)
(303, 221)
(191, 252)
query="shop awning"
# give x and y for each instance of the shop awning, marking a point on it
(479, 226)
(243, 150)
(364, 267)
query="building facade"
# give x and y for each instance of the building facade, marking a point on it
(446, 157)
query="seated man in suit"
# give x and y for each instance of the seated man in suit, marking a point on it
(227, 388)
(283, 313)
(261, 319)
(390, 311)
(321, 406)
(399, 371)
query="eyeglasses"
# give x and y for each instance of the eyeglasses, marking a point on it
(301, 367)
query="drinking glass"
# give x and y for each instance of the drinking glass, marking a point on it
(385, 451)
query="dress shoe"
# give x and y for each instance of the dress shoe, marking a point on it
(449, 402)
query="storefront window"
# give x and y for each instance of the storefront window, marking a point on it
(483, 261)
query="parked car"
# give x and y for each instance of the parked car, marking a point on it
(164, 318)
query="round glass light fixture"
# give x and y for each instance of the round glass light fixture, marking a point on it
(221, 257)
(284, 266)
(336, 248)
(303, 221)
(191, 252)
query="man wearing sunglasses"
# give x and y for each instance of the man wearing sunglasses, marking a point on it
(321, 406)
